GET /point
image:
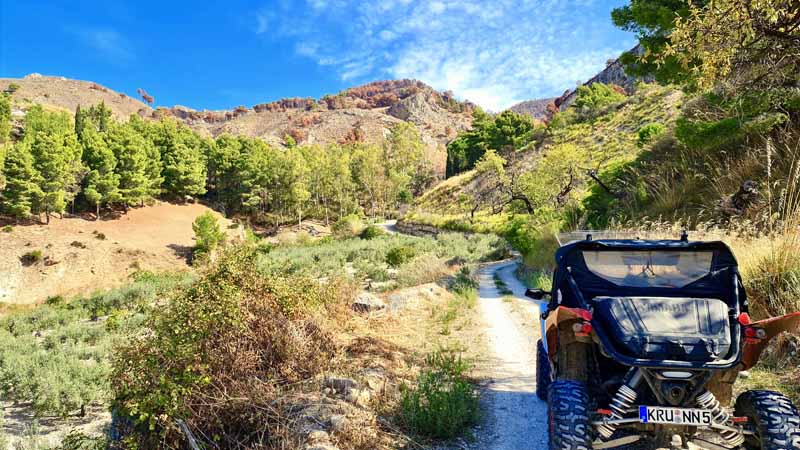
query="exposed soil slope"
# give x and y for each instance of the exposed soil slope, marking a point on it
(78, 260)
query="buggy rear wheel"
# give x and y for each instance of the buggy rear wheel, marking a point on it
(542, 371)
(772, 417)
(568, 416)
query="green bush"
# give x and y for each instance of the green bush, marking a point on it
(371, 232)
(400, 255)
(443, 402)
(464, 281)
(598, 95)
(702, 135)
(8, 229)
(207, 234)
(650, 132)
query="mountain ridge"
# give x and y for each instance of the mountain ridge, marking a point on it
(362, 113)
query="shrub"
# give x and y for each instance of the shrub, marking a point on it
(400, 255)
(650, 132)
(207, 234)
(425, 268)
(54, 300)
(99, 235)
(443, 402)
(348, 226)
(32, 257)
(221, 351)
(78, 244)
(371, 232)
(463, 281)
(8, 229)
(598, 95)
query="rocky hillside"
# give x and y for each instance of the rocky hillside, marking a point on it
(534, 108)
(64, 93)
(364, 113)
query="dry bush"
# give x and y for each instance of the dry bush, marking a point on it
(227, 355)
(299, 135)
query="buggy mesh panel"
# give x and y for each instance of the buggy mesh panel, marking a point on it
(693, 329)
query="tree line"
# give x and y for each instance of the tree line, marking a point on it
(92, 162)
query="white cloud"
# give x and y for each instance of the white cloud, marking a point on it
(492, 54)
(262, 22)
(107, 41)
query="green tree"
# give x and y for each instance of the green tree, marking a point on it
(653, 22)
(598, 95)
(56, 157)
(148, 131)
(21, 192)
(130, 151)
(504, 133)
(101, 185)
(255, 175)
(405, 158)
(183, 164)
(224, 159)
(369, 176)
(100, 115)
(745, 43)
(5, 117)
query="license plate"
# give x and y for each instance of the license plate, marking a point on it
(675, 416)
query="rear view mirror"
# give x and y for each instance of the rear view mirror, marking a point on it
(536, 294)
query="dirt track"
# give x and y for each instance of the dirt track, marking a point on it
(517, 418)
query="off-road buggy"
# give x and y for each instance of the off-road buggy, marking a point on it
(643, 340)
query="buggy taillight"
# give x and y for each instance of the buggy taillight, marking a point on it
(755, 333)
(582, 329)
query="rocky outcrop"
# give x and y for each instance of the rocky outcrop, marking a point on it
(417, 229)
(534, 108)
(614, 73)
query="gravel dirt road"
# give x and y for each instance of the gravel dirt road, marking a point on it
(517, 419)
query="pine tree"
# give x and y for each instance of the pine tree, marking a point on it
(129, 150)
(101, 185)
(52, 158)
(184, 166)
(5, 117)
(100, 115)
(21, 192)
(80, 121)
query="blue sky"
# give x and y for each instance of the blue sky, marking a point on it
(219, 54)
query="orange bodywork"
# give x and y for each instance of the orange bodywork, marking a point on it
(562, 315)
(752, 348)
